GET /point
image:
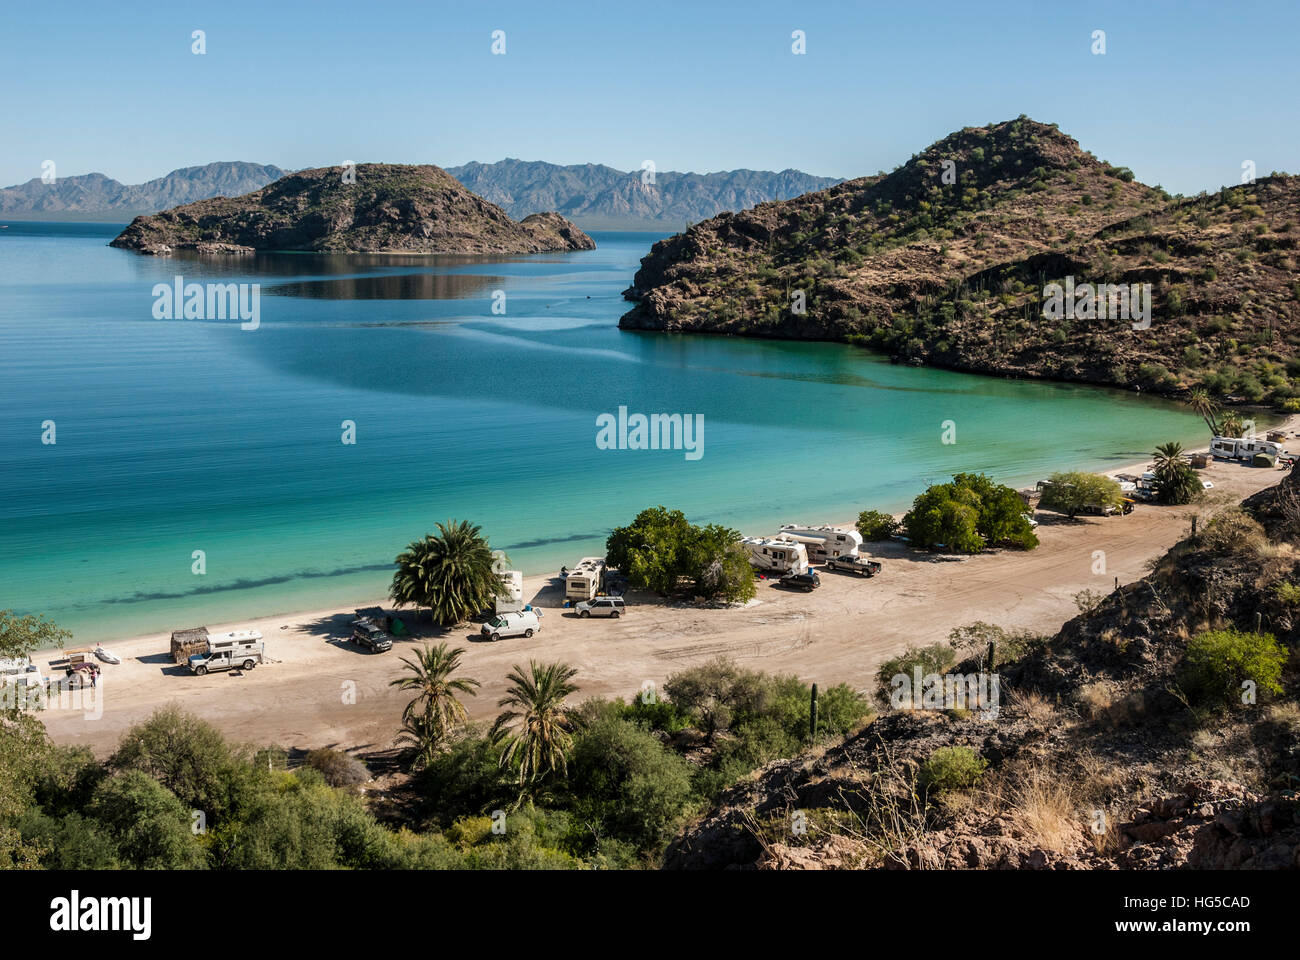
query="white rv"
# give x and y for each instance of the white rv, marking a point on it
(770, 554)
(1244, 448)
(510, 598)
(823, 543)
(585, 580)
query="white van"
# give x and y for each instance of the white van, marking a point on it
(524, 623)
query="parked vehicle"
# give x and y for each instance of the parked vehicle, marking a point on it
(367, 633)
(585, 580)
(824, 542)
(613, 607)
(807, 582)
(1245, 448)
(862, 566)
(80, 675)
(227, 651)
(521, 624)
(769, 554)
(510, 599)
(21, 674)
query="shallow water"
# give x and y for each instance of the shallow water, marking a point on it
(182, 435)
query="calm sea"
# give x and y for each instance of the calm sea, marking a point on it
(176, 436)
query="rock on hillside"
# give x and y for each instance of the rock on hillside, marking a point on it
(390, 208)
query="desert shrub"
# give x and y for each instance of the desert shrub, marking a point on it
(1288, 593)
(936, 658)
(1009, 645)
(951, 768)
(338, 768)
(1233, 531)
(1219, 662)
(874, 525)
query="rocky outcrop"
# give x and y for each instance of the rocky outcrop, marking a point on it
(386, 209)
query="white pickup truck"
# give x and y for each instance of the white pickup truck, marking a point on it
(243, 649)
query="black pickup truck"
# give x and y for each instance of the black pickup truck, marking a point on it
(367, 633)
(862, 566)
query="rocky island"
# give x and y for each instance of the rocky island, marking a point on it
(946, 261)
(385, 208)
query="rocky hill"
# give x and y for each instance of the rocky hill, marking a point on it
(1105, 752)
(600, 195)
(97, 193)
(389, 208)
(946, 260)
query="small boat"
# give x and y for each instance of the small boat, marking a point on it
(108, 656)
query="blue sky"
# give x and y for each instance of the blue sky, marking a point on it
(1184, 93)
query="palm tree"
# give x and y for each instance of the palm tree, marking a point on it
(451, 574)
(536, 731)
(1201, 403)
(435, 711)
(1232, 424)
(421, 734)
(1176, 481)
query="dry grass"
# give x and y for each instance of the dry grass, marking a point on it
(1044, 805)
(1106, 704)
(1033, 705)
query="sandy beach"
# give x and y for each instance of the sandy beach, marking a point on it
(319, 690)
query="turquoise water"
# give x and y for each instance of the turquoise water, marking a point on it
(183, 435)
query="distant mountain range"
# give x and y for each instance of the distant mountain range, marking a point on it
(97, 193)
(594, 195)
(590, 194)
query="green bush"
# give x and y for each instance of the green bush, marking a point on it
(1219, 662)
(968, 514)
(951, 768)
(623, 783)
(662, 551)
(874, 525)
(1072, 492)
(936, 658)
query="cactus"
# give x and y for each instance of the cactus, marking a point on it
(812, 712)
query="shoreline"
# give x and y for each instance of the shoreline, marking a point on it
(1290, 423)
(839, 633)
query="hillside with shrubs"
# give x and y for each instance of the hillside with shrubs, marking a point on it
(1159, 729)
(944, 262)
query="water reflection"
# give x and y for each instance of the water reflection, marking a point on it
(396, 286)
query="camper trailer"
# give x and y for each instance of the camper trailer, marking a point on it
(225, 651)
(510, 598)
(772, 555)
(823, 543)
(1244, 448)
(585, 580)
